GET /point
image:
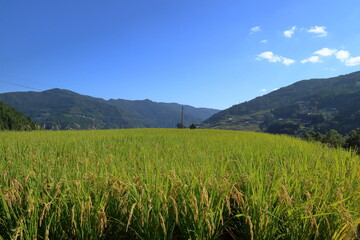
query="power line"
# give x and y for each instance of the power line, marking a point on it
(76, 114)
(32, 88)
(23, 79)
(19, 85)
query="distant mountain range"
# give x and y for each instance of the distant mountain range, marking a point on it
(315, 105)
(162, 115)
(64, 109)
(305, 106)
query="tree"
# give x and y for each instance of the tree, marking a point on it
(353, 141)
(283, 127)
(268, 119)
(192, 126)
(314, 136)
(333, 139)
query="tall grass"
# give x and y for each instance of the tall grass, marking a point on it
(175, 184)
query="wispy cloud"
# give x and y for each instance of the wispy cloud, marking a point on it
(264, 41)
(271, 57)
(320, 31)
(312, 59)
(325, 52)
(330, 69)
(289, 33)
(263, 90)
(255, 29)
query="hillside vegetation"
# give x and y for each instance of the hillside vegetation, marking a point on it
(11, 119)
(175, 184)
(305, 106)
(162, 115)
(64, 109)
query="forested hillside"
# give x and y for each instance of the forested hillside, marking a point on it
(64, 109)
(305, 106)
(11, 119)
(163, 115)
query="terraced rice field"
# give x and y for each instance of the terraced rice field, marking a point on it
(175, 184)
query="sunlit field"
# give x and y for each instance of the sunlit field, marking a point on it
(175, 184)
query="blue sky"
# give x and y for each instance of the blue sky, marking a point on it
(202, 53)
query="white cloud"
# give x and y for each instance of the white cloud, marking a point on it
(287, 61)
(312, 59)
(345, 57)
(289, 33)
(320, 31)
(342, 55)
(353, 61)
(255, 29)
(325, 52)
(263, 90)
(271, 57)
(264, 41)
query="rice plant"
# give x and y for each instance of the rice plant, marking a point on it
(175, 184)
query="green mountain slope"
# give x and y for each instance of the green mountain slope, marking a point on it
(163, 115)
(308, 105)
(64, 109)
(11, 119)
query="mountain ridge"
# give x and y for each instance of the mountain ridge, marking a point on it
(64, 109)
(301, 102)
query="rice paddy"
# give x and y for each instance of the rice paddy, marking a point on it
(175, 184)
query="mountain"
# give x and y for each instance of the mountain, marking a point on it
(11, 119)
(308, 105)
(64, 109)
(163, 115)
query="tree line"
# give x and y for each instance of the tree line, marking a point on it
(334, 139)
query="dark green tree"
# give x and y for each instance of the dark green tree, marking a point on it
(333, 139)
(283, 127)
(353, 141)
(314, 136)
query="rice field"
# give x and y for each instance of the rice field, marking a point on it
(175, 184)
